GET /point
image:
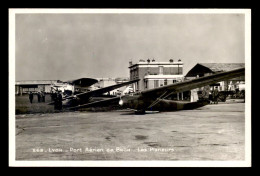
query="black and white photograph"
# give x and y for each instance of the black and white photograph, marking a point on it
(130, 87)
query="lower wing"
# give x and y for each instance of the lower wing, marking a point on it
(105, 102)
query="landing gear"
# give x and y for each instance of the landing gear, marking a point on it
(140, 112)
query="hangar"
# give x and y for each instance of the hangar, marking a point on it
(205, 69)
(236, 85)
(34, 86)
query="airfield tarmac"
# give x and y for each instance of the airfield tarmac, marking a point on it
(213, 132)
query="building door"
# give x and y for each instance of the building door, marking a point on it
(165, 82)
(145, 84)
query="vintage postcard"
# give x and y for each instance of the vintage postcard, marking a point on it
(130, 87)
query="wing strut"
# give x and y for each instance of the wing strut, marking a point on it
(157, 100)
(160, 98)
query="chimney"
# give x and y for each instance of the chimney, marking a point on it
(171, 60)
(148, 60)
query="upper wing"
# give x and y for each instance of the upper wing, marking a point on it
(103, 90)
(194, 83)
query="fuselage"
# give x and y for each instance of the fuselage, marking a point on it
(139, 102)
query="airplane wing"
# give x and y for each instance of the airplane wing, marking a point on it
(194, 83)
(97, 103)
(102, 90)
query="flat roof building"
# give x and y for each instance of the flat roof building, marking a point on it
(154, 74)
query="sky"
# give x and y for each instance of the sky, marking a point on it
(71, 46)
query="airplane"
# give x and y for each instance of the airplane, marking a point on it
(74, 86)
(79, 91)
(155, 99)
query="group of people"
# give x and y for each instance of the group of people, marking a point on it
(211, 95)
(40, 95)
(57, 98)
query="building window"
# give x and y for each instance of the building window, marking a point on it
(156, 83)
(145, 83)
(161, 70)
(174, 81)
(165, 82)
(180, 70)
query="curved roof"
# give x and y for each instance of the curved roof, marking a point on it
(84, 82)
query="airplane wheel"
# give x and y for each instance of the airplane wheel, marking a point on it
(140, 112)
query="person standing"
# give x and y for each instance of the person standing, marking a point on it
(39, 97)
(43, 96)
(59, 101)
(31, 97)
(52, 96)
(55, 99)
(215, 95)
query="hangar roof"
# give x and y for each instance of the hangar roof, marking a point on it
(216, 67)
(35, 82)
(202, 68)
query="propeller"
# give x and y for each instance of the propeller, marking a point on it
(121, 102)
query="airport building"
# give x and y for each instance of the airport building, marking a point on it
(153, 74)
(22, 87)
(204, 69)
